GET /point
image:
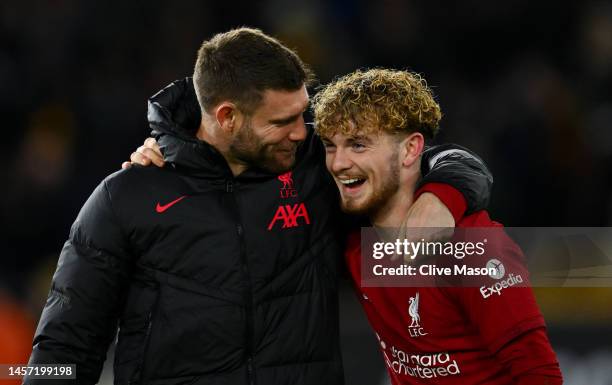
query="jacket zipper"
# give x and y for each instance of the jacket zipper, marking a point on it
(150, 317)
(248, 293)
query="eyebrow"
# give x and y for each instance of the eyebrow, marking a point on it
(289, 119)
(350, 140)
(359, 138)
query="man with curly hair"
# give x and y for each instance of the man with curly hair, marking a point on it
(374, 124)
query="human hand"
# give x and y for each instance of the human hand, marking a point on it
(146, 154)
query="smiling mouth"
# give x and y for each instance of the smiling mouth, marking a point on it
(352, 183)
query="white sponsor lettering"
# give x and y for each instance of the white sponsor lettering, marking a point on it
(430, 365)
(498, 286)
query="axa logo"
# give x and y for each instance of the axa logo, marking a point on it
(290, 216)
(415, 328)
(287, 191)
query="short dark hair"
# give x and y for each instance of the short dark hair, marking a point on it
(240, 64)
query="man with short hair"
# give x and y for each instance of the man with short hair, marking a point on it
(373, 125)
(220, 268)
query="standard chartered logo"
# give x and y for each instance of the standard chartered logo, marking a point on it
(430, 365)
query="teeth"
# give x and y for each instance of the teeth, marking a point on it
(349, 181)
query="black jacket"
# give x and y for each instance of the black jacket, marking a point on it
(211, 278)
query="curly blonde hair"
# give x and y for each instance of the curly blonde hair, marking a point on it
(376, 100)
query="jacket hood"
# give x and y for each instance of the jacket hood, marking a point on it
(175, 110)
(174, 117)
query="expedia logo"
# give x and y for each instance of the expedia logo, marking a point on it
(498, 286)
(496, 266)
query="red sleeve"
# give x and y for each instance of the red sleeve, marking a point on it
(501, 318)
(531, 360)
(450, 196)
(508, 318)
(511, 310)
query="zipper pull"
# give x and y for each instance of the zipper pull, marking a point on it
(229, 186)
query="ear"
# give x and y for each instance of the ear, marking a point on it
(228, 117)
(412, 148)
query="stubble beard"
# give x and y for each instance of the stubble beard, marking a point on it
(380, 196)
(249, 149)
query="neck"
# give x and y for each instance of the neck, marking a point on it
(393, 212)
(212, 135)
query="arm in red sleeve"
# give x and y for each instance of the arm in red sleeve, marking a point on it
(509, 321)
(531, 360)
(450, 196)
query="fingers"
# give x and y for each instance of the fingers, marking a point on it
(152, 144)
(152, 155)
(146, 154)
(140, 159)
(151, 150)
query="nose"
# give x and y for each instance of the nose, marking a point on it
(298, 131)
(337, 160)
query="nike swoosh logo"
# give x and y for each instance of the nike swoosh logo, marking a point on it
(160, 209)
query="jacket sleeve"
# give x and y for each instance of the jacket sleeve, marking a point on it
(79, 320)
(450, 169)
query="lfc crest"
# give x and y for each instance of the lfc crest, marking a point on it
(415, 328)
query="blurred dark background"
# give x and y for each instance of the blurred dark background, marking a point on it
(525, 84)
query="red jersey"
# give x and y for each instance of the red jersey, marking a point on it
(448, 335)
